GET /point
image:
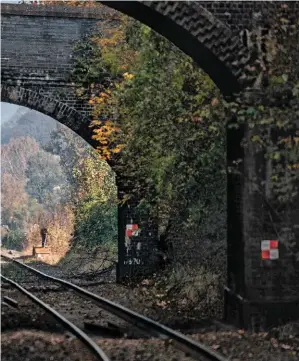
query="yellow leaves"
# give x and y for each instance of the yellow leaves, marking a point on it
(103, 42)
(128, 76)
(118, 149)
(96, 100)
(114, 40)
(95, 122)
(99, 100)
(106, 134)
(108, 123)
(104, 152)
(102, 98)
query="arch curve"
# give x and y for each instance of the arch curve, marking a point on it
(52, 107)
(199, 34)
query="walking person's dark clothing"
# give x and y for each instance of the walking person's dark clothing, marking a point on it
(44, 233)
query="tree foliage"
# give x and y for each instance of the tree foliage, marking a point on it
(15, 154)
(46, 180)
(63, 187)
(92, 188)
(13, 197)
(272, 121)
(159, 121)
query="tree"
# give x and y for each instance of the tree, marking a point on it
(46, 180)
(15, 154)
(89, 176)
(70, 148)
(92, 188)
(13, 198)
(160, 122)
(166, 110)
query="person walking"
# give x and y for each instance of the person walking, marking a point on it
(44, 234)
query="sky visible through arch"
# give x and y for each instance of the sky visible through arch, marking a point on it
(8, 111)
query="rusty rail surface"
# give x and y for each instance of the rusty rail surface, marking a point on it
(93, 347)
(179, 340)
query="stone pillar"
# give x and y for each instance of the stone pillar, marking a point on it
(137, 237)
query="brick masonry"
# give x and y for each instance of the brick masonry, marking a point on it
(37, 51)
(37, 59)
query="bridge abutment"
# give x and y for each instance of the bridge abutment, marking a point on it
(263, 269)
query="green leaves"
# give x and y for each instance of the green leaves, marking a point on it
(251, 111)
(173, 126)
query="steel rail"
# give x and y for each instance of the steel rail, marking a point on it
(191, 347)
(93, 347)
(11, 302)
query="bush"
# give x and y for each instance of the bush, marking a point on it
(14, 239)
(96, 224)
(197, 289)
(60, 226)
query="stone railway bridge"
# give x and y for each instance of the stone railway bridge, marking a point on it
(37, 58)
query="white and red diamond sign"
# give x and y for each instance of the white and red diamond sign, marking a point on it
(132, 230)
(270, 249)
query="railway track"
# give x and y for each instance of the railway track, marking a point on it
(89, 343)
(191, 347)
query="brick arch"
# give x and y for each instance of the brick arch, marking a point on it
(199, 34)
(52, 107)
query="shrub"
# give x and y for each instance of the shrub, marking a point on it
(14, 239)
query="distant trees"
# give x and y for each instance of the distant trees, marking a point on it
(61, 185)
(15, 155)
(13, 197)
(29, 176)
(92, 187)
(46, 179)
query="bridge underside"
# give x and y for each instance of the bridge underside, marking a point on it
(37, 75)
